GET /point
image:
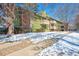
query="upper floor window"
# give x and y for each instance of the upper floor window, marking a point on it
(62, 26)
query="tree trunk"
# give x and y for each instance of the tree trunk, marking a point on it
(9, 9)
(10, 25)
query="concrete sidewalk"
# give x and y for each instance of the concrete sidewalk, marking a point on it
(33, 49)
(10, 47)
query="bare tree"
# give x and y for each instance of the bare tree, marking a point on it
(9, 15)
(77, 22)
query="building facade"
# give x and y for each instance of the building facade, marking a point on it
(24, 18)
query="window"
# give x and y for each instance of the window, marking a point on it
(52, 29)
(52, 24)
(20, 12)
(62, 29)
(62, 26)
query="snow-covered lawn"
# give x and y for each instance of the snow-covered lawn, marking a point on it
(35, 37)
(67, 42)
(67, 45)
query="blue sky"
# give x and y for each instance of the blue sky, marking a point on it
(56, 10)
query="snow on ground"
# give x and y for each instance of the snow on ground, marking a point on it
(66, 46)
(68, 43)
(60, 49)
(35, 37)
